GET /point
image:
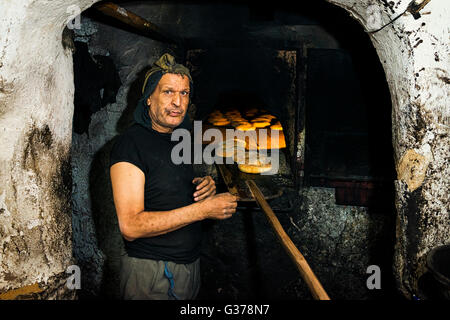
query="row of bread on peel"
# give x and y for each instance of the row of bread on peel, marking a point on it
(249, 120)
(248, 161)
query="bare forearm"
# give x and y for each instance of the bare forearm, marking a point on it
(153, 223)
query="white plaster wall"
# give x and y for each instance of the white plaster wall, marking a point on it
(415, 57)
(36, 108)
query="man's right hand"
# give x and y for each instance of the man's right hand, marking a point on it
(220, 206)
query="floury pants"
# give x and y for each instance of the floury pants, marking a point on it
(145, 279)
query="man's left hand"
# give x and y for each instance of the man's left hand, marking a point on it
(206, 187)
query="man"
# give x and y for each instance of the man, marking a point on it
(159, 204)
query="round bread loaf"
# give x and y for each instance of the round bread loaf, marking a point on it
(261, 124)
(248, 168)
(259, 119)
(220, 123)
(276, 126)
(228, 148)
(245, 127)
(253, 162)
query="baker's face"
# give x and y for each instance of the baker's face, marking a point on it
(169, 102)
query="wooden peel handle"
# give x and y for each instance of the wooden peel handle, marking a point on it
(307, 274)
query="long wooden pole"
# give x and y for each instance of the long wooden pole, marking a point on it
(133, 20)
(307, 274)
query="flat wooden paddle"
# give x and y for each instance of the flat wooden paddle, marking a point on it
(306, 273)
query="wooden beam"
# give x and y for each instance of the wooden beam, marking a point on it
(136, 22)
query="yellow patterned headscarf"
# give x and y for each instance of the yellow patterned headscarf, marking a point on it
(166, 64)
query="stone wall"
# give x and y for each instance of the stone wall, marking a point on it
(340, 242)
(36, 108)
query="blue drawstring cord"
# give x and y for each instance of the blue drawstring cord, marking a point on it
(169, 276)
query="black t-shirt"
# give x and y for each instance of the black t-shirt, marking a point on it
(167, 186)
